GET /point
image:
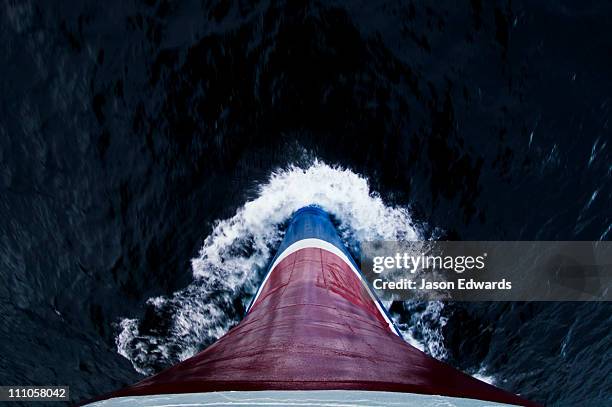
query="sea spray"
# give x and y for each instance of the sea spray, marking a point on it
(232, 260)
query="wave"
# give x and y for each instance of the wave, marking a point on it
(233, 257)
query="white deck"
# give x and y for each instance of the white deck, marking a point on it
(327, 398)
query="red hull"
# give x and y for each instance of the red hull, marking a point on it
(315, 326)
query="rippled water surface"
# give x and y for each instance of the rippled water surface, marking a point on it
(151, 153)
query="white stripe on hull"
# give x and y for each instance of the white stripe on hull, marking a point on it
(324, 245)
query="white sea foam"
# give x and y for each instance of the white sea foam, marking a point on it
(231, 262)
(484, 376)
(423, 330)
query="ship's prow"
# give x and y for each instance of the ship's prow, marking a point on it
(314, 333)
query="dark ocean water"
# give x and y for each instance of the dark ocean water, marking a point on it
(128, 128)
